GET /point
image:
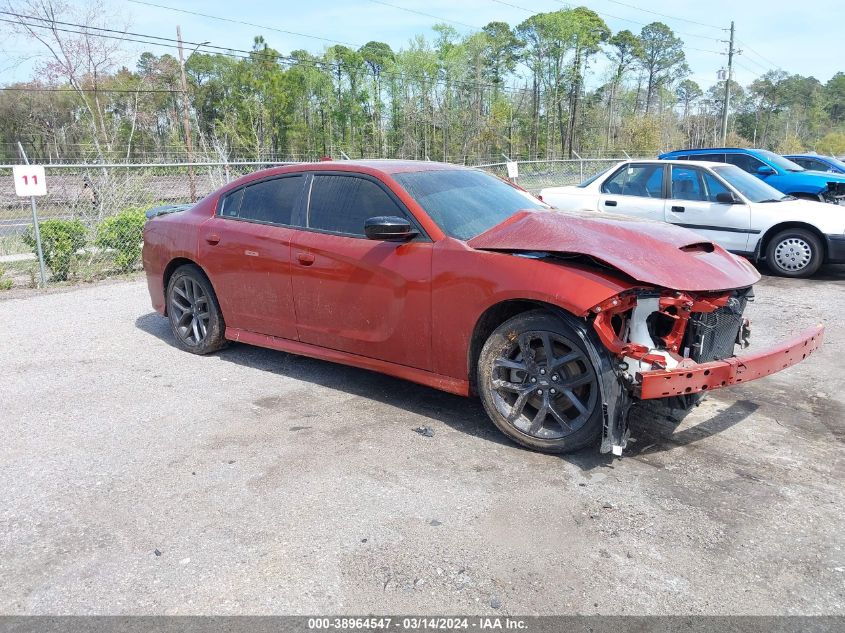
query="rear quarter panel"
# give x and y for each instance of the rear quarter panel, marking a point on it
(170, 237)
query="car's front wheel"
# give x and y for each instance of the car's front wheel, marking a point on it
(194, 313)
(795, 253)
(538, 384)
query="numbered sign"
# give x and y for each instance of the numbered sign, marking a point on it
(513, 169)
(29, 180)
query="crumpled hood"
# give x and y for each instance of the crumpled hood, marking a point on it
(653, 253)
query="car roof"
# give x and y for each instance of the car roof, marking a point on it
(384, 165)
(657, 161)
(710, 150)
(371, 167)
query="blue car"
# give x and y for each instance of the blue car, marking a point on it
(777, 171)
(818, 163)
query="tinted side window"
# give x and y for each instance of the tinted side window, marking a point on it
(271, 200)
(636, 180)
(231, 205)
(712, 158)
(745, 162)
(342, 203)
(813, 163)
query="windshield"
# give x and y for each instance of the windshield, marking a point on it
(835, 163)
(463, 202)
(749, 186)
(779, 161)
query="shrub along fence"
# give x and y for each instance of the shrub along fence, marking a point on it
(92, 218)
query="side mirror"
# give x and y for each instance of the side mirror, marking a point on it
(728, 197)
(390, 228)
(765, 170)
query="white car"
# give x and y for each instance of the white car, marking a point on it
(723, 203)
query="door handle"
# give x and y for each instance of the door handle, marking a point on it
(306, 259)
(610, 203)
(678, 209)
(212, 239)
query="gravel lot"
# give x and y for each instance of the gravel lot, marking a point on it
(140, 479)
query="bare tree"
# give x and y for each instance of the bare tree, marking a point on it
(75, 54)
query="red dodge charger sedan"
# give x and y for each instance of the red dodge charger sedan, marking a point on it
(452, 278)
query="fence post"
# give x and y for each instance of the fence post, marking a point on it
(36, 229)
(580, 165)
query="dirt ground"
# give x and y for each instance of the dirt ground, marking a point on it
(137, 479)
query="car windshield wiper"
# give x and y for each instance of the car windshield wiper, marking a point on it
(775, 199)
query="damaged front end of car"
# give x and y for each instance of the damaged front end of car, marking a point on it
(834, 193)
(674, 346)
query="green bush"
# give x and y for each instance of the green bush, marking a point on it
(123, 234)
(5, 282)
(60, 241)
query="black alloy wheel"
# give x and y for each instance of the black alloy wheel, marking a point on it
(194, 313)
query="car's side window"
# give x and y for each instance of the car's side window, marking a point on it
(812, 163)
(692, 183)
(713, 186)
(746, 162)
(231, 204)
(710, 158)
(636, 180)
(687, 183)
(269, 201)
(341, 204)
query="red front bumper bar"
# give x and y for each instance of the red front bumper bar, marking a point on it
(662, 383)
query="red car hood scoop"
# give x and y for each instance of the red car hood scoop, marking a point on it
(653, 253)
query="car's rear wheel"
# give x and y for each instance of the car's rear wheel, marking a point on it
(194, 313)
(538, 384)
(795, 253)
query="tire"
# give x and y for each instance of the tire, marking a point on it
(795, 253)
(193, 311)
(516, 382)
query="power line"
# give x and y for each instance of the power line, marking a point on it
(758, 64)
(664, 15)
(233, 21)
(756, 73)
(768, 61)
(617, 17)
(515, 6)
(428, 15)
(74, 90)
(240, 53)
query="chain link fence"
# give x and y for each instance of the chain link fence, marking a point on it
(533, 175)
(92, 216)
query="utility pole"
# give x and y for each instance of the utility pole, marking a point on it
(727, 101)
(186, 117)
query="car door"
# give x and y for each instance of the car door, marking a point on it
(245, 249)
(635, 189)
(693, 204)
(367, 297)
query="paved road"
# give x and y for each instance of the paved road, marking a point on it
(14, 226)
(139, 479)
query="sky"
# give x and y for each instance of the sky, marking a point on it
(798, 37)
